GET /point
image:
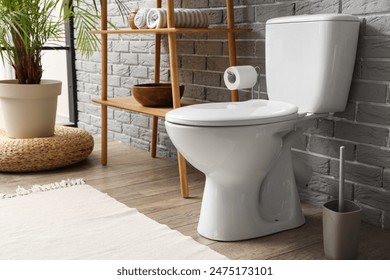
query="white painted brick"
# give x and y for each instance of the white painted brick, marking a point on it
(129, 58)
(365, 6)
(140, 144)
(139, 72)
(122, 116)
(121, 70)
(114, 81)
(85, 118)
(83, 97)
(89, 67)
(145, 134)
(121, 91)
(140, 120)
(92, 89)
(122, 138)
(142, 46)
(115, 126)
(113, 57)
(95, 79)
(131, 130)
(120, 46)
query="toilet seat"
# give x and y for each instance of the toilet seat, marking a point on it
(251, 112)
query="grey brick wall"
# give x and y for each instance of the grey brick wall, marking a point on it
(363, 128)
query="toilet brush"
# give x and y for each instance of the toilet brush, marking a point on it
(341, 179)
(341, 223)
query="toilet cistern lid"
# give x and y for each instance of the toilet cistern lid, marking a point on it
(251, 112)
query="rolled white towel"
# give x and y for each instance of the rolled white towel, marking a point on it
(140, 19)
(156, 18)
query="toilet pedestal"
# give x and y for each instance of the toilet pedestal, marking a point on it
(240, 210)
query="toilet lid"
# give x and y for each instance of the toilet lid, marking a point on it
(251, 112)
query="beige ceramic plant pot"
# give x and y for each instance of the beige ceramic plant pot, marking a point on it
(29, 111)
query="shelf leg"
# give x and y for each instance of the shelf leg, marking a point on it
(231, 42)
(104, 82)
(153, 148)
(176, 91)
(183, 176)
(104, 136)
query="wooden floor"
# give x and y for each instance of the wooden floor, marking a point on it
(152, 186)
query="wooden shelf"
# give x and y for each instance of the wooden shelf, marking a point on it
(171, 30)
(129, 103)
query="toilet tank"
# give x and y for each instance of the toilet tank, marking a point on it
(310, 60)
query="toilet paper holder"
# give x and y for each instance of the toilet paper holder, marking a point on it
(231, 76)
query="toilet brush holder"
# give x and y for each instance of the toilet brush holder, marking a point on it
(341, 224)
(341, 230)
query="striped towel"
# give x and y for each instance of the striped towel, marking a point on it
(184, 18)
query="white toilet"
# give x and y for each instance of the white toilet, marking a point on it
(243, 148)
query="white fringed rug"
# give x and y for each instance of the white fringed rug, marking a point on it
(71, 220)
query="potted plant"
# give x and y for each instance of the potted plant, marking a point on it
(29, 103)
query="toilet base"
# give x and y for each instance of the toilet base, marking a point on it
(222, 218)
(280, 228)
(253, 205)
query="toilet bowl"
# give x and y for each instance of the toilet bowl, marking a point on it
(243, 148)
(237, 157)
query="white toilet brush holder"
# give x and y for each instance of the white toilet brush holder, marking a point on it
(341, 224)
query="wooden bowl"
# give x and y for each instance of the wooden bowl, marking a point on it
(154, 95)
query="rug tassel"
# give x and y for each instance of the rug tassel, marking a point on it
(20, 191)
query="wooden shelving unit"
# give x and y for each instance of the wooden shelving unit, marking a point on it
(129, 103)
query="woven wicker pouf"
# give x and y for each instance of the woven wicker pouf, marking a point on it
(67, 146)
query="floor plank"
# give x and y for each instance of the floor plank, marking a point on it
(152, 186)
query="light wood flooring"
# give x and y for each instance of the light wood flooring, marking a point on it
(152, 186)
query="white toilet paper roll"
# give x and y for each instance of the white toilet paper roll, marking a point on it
(240, 77)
